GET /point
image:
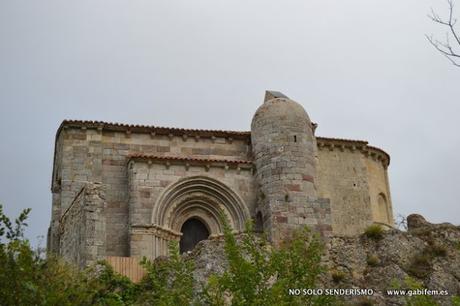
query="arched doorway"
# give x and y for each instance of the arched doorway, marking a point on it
(193, 231)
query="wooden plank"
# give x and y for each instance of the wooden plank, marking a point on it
(127, 266)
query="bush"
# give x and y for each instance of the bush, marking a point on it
(374, 231)
(256, 275)
(457, 245)
(337, 276)
(420, 265)
(27, 278)
(417, 300)
(259, 275)
(373, 260)
(437, 250)
(168, 281)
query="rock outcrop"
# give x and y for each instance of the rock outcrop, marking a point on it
(428, 253)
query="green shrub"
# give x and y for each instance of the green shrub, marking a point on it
(259, 275)
(417, 300)
(457, 245)
(420, 265)
(374, 231)
(437, 250)
(28, 278)
(337, 276)
(168, 281)
(373, 260)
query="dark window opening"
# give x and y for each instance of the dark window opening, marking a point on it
(193, 231)
(259, 226)
(295, 138)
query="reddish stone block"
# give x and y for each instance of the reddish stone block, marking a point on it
(293, 187)
(144, 193)
(281, 219)
(308, 178)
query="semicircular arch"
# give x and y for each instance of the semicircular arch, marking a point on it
(199, 197)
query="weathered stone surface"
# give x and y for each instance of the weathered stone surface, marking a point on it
(395, 252)
(280, 169)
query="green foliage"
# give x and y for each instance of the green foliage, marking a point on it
(337, 276)
(260, 275)
(457, 245)
(27, 278)
(168, 281)
(417, 300)
(374, 231)
(109, 287)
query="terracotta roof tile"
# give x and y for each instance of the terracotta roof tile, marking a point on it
(185, 159)
(158, 129)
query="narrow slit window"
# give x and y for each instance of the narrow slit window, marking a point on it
(295, 138)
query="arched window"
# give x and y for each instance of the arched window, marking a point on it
(382, 209)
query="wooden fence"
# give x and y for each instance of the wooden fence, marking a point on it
(127, 266)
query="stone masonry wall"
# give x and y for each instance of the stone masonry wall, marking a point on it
(82, 227)
(101, 155)
(72, 232)
(147, 182)
(352, 181)
(378, 187)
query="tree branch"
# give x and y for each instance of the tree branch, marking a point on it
(445, 48)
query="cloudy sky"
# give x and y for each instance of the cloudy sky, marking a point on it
(361, 68)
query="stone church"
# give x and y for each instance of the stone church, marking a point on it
(127, 190)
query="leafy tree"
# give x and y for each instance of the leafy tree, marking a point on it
(27, 278)
(260, 275)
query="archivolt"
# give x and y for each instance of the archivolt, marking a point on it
(199, 197)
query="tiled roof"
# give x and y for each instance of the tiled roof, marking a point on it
(186, 159)
(152, 129)
(242, 135)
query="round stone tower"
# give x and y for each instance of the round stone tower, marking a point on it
(284, 146)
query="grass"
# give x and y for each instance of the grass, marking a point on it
(420, 265)
(374, 231)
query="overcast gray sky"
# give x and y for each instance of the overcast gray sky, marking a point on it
(361, 68)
